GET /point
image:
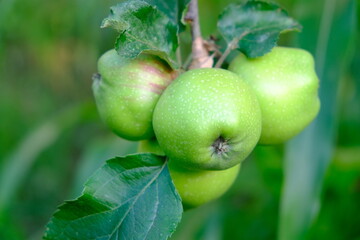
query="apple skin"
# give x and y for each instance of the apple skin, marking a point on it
(126, 92)
(196, 187)
(207, 119)
(150, 146)
(286, 86)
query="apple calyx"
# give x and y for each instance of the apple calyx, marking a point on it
(96, 77)
(220, 146)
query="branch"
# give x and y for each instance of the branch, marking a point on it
(201, 58)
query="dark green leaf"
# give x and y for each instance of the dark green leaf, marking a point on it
(173, 9)
(131, 197)
(254, 27)
(143, 28)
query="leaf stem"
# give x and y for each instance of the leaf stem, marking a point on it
(178, 55)
(187, 61)
(231, 46)
(200, 54)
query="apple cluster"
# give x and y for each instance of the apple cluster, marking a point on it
(207, 120)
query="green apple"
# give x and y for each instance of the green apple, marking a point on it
(207, 119)
(150, 146)
(195, 187)
(126, 92)
(286, 86)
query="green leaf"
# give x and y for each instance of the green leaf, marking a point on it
(173, 9)
(23, 158)
(130, 197)
(143, 29)
(330, 37)
(254, 27)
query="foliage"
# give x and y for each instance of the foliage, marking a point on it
(254, 27)
(301, 206)
(138, 211)
(45, 67)
(143, 28)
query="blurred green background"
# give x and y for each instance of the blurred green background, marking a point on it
(51, 137)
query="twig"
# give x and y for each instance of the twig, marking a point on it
(200, 54)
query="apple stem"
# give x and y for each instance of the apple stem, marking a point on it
(200, 54)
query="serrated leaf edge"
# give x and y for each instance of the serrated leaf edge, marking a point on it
(296, 26)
